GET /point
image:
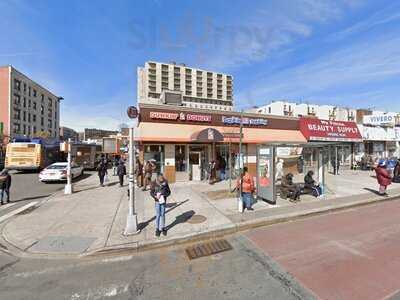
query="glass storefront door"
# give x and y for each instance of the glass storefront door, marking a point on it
(198, 162)
(181, 163)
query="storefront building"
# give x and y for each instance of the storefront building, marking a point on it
(341, 138)
(381, 136)
(182, 142)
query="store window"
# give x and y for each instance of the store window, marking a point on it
(157, 154)
(180, 158)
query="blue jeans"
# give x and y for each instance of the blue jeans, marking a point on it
(247, 199)
(222, 174)
(160, 216)
(7, 192)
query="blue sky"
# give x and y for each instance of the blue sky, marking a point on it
(343, 52)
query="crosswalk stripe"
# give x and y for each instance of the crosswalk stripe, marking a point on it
(5, 206)
(17, 211)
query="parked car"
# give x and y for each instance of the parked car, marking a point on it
(58, 172)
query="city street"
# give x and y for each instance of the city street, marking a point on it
(26, 189)
(351, 254)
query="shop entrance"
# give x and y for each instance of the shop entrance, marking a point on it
(195, 165)
(198, 162)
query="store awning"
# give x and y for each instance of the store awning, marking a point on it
(163, 132)
(332, 131)
(208, 135)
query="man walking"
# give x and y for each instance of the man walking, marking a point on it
(102, 171)
(5, 185)
(121, 172)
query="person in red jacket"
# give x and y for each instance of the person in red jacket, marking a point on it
(247, 182)
(383, 177)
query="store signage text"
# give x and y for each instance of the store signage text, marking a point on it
(382, 119)
(180, 116)
(325, 130)
(245, 121)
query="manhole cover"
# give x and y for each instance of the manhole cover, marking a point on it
(197, 219)
(208, 248)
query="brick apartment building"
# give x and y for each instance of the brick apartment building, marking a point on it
(26, 107)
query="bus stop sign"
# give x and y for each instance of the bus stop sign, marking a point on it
(132, 112)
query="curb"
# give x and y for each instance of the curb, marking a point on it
(233, 228)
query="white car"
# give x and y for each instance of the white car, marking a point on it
(58, 172)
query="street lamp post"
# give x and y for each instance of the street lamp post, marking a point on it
(68, 187)
(131, 220)
(241, 162)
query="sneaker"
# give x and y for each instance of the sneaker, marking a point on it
(158, 232)
(250, 208)
(164, 232)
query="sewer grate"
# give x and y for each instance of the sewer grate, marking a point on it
(208, 248)
(197, 219)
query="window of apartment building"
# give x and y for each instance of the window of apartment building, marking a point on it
(50, 102)
(17, 99)
(24, 87)
(16, 128)
(29, 117)
(29, 103)
(42, 121)
(24, 116)
(34, 105)
(34, 129)
(17, 114)
(42, 97)
(55, 115)
(24, 132)
(34, 93)
(29, 91)
(34, 118)
(17, 84)
(42, 109)
(49, 123)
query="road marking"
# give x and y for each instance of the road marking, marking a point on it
(349, 249)
(101, 292)
(17, 211)
(5, 206)
(117, 259)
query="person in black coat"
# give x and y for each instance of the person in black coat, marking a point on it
(102, 171)
(5, 185)
(160, 191)
(121, 172)
(309, 183)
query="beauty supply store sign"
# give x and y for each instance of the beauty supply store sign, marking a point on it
(332, 131)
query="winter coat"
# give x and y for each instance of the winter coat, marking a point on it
(121, 170)
(102, 169)
(5, 182)
(309, 182)
(247, 183)
(396, 171)
(383, 176)
(162, 188)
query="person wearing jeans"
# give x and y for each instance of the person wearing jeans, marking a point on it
(246, 183)
(160, 191)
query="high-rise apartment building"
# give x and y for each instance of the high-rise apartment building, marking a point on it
(177, 84)
(27, 108)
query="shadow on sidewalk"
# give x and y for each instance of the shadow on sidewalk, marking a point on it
(182, 218)
(372, 191)
(31, 198)
(170, 206)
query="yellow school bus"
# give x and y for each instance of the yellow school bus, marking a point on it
(31, 154)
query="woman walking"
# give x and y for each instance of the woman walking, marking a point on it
(102, 171)
(121, 172)
(383, 177)
(160, 191)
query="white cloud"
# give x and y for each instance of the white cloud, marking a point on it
(359, 66)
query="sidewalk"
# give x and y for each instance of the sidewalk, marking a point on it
(92, 220)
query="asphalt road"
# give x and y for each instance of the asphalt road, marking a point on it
(242, 273)
(26, 188)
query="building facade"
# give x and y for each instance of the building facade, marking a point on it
(177, 84)
(95, 134)
(293, 109)
(68, 133)
(27, 108)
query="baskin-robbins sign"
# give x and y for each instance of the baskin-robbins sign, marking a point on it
(388, 119)
(232, 120)
(332, 131)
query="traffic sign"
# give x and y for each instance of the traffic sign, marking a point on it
(132, 112)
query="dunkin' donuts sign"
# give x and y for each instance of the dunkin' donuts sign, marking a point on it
(180, 116)
(325, 130)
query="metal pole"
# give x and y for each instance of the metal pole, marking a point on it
(230, 166)
(131, 221)
(240, 204)
(68, 187)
